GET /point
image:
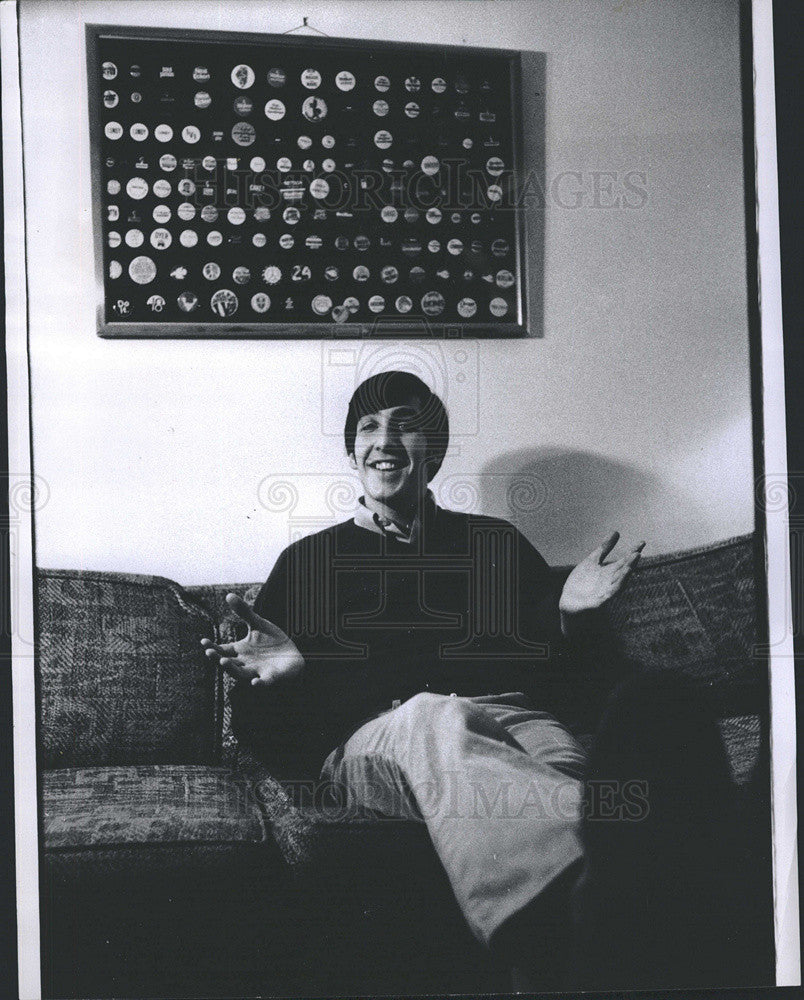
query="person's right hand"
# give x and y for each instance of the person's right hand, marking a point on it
(264, 656)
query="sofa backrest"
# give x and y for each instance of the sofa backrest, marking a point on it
(122, 677)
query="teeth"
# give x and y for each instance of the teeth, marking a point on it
(386, 466)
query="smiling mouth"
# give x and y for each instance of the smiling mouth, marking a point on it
(387, 465)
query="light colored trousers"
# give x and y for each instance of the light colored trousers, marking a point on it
(498, 784)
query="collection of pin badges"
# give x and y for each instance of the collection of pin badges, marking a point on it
(246, 184)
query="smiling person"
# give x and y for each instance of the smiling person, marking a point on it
(412, 654)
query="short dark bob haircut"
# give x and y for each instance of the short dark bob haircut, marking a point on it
(395, 388)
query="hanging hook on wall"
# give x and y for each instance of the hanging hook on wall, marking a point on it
(304, 25)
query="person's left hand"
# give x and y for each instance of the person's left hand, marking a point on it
(595, 581)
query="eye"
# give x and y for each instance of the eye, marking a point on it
(366, 426)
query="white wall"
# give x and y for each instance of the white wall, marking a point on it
(632, 411)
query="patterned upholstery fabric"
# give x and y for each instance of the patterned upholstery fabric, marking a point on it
(123, 679)
(230, 628)
(98, 807)
(693, 613)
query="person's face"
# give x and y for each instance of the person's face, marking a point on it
(390, 455)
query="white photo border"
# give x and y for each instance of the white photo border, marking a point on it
(780, 622)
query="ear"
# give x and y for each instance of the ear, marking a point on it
(352, 460)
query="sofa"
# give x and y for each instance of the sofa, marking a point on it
(174, 864)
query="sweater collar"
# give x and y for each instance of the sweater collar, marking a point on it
(409, 534)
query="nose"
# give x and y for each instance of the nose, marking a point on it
(387, 435)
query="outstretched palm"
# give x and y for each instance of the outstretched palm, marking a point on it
(595, 581)
(264, 656)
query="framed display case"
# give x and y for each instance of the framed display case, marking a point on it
(289, 186)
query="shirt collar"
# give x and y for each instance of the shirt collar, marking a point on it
(365, 518)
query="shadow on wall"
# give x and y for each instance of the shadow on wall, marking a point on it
(566, 501)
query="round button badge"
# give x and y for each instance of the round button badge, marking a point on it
(161, 214)
(236, 215)
(467, 308)
(313, 242)
(345, 80)
(380, 108)
(383, 139)
(260, 302)
(243, 105)
(286, 241)
(187, 301)
(331, 273)
(275, 110)
(319, 188)
(455, 247)
(112, 213)
(134, 238)
(389, 214)
(283, 164)
(382, 83)
(224, 302)
(243, 133)
(186, 187)
(311, 79)
(188, 237)
(271, 275)
(241, 275)
(200, 74)
(161, 239)
(142, 270)
(202, 99)
(113, 130)
(138, 132)
(214, 238)
(167, 162)
(413, 84)
(314, 109)
(417, 275)
(434, 246)
(209, 213)
(114, 239)
(242, 76)
(500, 247)
(115, 269)
(211, 271)
(321, 305)
(404, 304)
(113, 187)
(389, 274)
(209, 163)
(430, 165)
(110, 99)
(498, 307)
(328, 165)
(433, 303)
(351, 303)
(361, 273)
(276, 77)
(439, 85)
(505, 279)
(376, 303)
(262, 214)
(495, 166)
(137, 188)
(185, 211)
(412, 109)
(257, 164)
(259, 239)
(191, 134)
(304, 142)
(327, 141)
(291, 215)
(109, 71)
(494, 192)
(433, 215)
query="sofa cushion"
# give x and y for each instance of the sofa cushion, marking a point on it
(693, 613)
(123, 679)
(97, 807)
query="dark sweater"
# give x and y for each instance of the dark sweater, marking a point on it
(471, 608)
